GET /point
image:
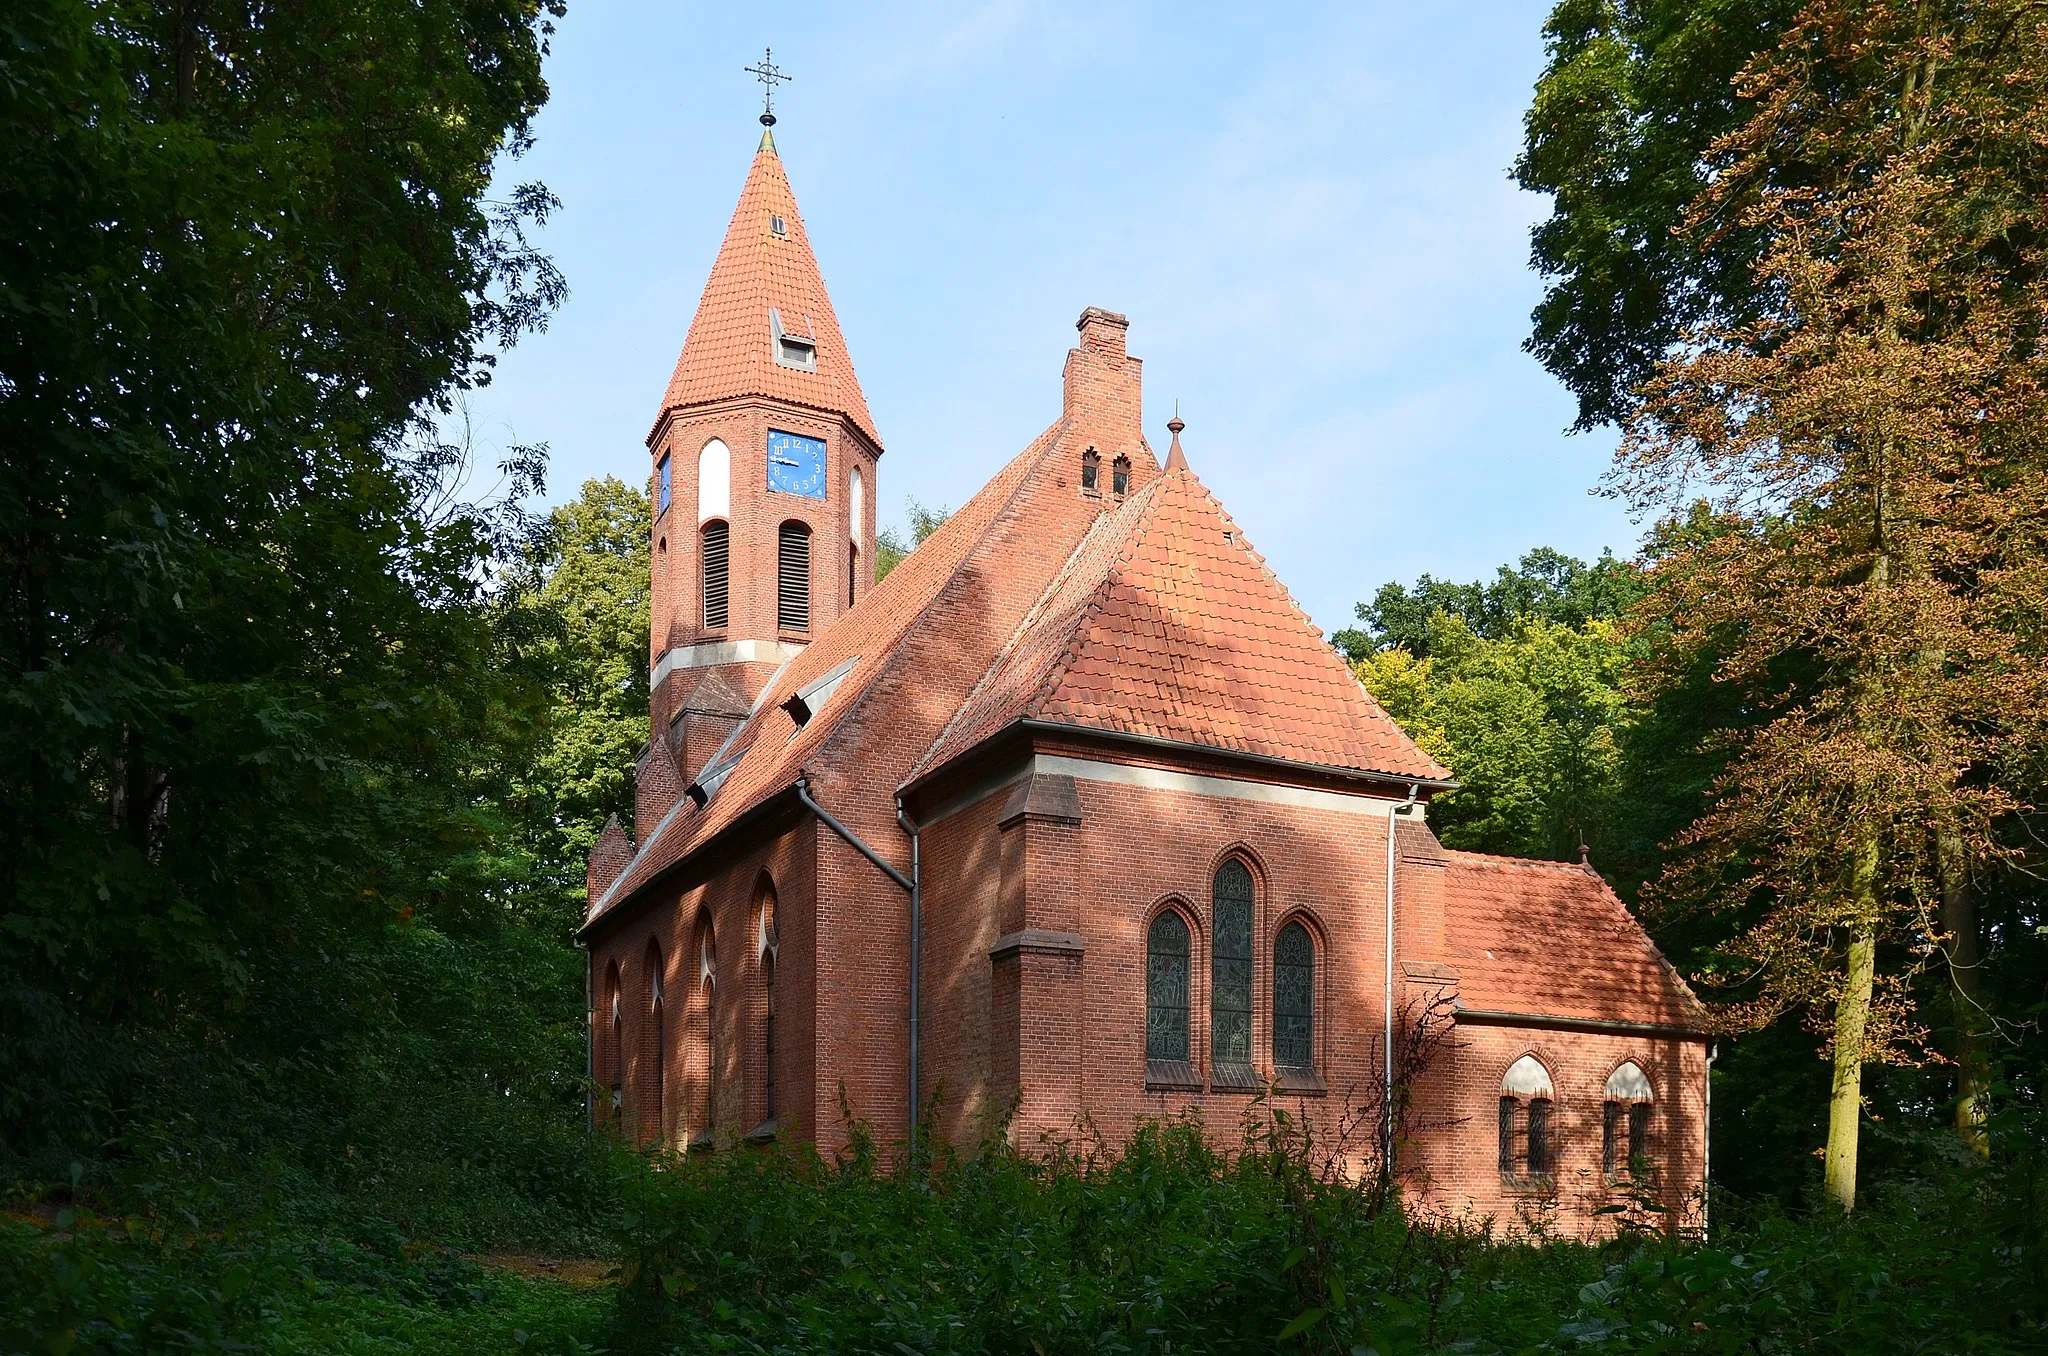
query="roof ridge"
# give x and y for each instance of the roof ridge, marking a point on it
(1505, 860)
(1055, 673)
(1017, 633)
(1043, 444)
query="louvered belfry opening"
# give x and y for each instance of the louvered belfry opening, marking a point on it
(717, 574)
(793, 578)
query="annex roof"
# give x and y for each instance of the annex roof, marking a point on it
(1551, 939)
(729, 351)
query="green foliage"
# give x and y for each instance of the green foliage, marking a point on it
(890, 548)
(1546, 584)
(1167, 1245)
(587, 587)
(1532, 721)
(1621, 133)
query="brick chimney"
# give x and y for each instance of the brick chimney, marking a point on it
(1104, 394)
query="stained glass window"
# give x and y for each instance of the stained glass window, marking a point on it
(1230, 993)
(1294, 1004)
(1166, 988)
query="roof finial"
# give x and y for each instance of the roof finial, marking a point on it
(769, 77)
(1585, 853)
(1175, 458)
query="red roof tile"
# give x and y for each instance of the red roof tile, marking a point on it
(1166, 623)
(727, 352)
(1550, 939)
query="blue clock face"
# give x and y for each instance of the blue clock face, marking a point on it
(796, 464)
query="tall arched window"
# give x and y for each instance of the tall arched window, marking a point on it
(1230, 976)
(657, 1040)
(793, 577)
(717, 557)
(770, 946)
(1166, 989)
(852, 574)
(1525, 1102)
(1625, 1138)
(613, 1056)
(703, 1036)
(1294, 1000)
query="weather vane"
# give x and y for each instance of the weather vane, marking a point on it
(769, 77)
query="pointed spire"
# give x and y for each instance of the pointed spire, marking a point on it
(1176, 460)
(767, 141)
(765, 279)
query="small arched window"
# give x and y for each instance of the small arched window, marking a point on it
(1625, 1137)
(717, 556)
(1166, 989)
(1525, 1102)
(1120, 477)
(657, 1037)
(1091, 471)
(793, 577)
(1230, 990)
(1294, 1000)
(714, 481)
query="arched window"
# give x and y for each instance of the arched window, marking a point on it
(657, 1038)
(793, 577)
(856, 503)
(1120, 477)
(852, 573)
(714, 482)
(717, 556)
(1625, 1138)
(1091, 471)
(663, 481)
(1230, 975)
(695, 971)
(1166, 989)
(1294, 1000)
(1525, 1101)
(769, 943)
(613, 1052)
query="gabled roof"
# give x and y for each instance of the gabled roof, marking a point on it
(1167, 624)
(1551, 939)
(873, 634)
(728, 352)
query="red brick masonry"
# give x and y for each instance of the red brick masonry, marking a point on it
(1083, 704)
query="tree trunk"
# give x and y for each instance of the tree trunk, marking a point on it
(1852, 1016)
(1959, 923)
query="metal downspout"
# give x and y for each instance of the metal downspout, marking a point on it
(1387, 1091)
(904, 821)
(909, 885)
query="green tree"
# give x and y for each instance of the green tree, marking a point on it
(1545, 584)
(1872, 441)
(890, 548)
(589, 588)
(1622, 134)
(253, 652)
(1531, 722)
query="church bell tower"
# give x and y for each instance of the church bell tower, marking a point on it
(763, 458)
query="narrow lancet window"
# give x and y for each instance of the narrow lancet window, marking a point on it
(1294, 988)
(1230, 991)
(1166, 989)
(717, 553)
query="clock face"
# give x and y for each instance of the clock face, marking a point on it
(796, 464)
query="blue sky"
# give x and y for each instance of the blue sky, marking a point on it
(1306, 213)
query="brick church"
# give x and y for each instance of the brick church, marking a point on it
(1074, 814)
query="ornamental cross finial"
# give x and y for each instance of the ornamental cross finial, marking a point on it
(769, 77)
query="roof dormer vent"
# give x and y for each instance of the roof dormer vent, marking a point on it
(799, 351)
(779, 226)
